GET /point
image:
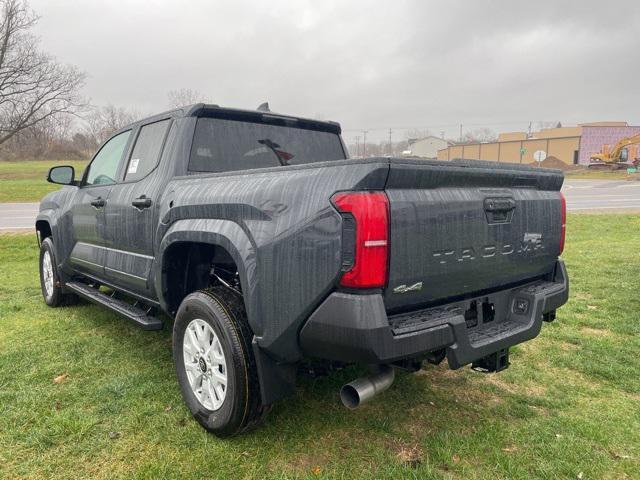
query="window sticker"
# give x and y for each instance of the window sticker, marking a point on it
(133, 166)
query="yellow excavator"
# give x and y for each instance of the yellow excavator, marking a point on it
(618, 157)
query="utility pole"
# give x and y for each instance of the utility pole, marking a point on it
(390, 149)
(357, 145)
(460, 133)
(364, 143)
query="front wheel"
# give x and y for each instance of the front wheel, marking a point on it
(49, 278)
(214, 362)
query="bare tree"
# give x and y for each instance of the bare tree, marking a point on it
(418, 133)
(33, 85)
(104, 121)
(542, 124)
(185, 96)
(479, 135)
(380, 149)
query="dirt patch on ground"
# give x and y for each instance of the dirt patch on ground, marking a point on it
(568, 347)
(598, 332)
(306, 464)
(555, 162)
(532, 389)
(583, 296)
(572, 377)
(408, 454)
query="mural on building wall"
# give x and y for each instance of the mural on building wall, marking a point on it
(603, 139)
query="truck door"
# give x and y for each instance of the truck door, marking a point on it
(131, 213)
(87, 210)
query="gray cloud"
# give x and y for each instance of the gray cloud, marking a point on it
(369, 65)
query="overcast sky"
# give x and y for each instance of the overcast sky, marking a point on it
(369, 65)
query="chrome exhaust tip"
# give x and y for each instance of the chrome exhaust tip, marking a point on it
(363, 389)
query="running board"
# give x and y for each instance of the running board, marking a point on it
(135, 314)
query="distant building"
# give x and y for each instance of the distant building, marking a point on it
(571, 145)
(426, 147)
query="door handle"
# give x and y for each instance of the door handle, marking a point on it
(141, 202)
(98, 202)
(499, 204)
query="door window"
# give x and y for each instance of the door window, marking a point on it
(104, 167)
(624, 155)
(146, 152)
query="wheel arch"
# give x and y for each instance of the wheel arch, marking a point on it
(202, 243)
(45, 225)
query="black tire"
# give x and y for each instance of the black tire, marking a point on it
(241, 409)
(53, 297)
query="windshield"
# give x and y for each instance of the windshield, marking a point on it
(227, 145)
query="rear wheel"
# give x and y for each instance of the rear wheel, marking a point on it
(214, 362)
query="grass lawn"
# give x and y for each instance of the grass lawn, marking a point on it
(569, 406)
(25, 181)
(601, 175)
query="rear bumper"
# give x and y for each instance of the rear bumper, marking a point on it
(355, 328)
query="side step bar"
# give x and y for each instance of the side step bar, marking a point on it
(135, 314)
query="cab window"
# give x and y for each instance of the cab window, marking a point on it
(231, 145)
(146, 152)
(104, 167)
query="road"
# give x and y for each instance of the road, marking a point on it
(582, 196)
(17, 216)
(601, 195)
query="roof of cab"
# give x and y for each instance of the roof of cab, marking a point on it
(215, 111)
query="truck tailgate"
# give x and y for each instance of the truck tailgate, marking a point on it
(464, 227)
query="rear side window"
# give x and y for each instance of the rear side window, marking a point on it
(146, 152)
(226, 145)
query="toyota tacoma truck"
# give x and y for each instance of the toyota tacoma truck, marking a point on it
(269, 248)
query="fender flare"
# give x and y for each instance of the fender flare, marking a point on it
(223, 233)
(49, 216)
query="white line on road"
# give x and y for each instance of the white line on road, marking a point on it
(596, 207)
(623, 195)
(595, 200)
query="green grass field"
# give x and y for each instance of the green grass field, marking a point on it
(569, 406)
(25, 181)
(601, 175)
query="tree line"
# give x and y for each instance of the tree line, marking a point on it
(42, 111)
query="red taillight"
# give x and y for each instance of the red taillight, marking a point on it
(370, 211)
(563, 219)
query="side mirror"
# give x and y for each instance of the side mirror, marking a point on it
(63, 175)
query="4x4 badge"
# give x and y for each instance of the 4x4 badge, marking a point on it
(411, 288)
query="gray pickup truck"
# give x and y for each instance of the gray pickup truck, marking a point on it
(270, 248)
